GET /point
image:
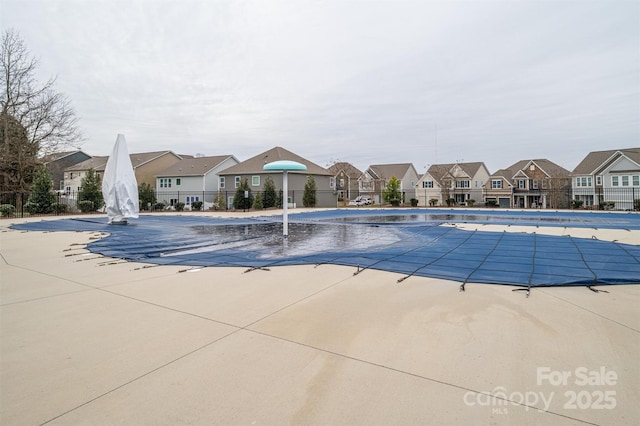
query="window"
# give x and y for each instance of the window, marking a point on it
(165, 183)
(341, 182)
(427, 184)
(255, 180)
(177, 181)
(237, 181)
(68, 190)
(598, 180)
(190, 200)
(221, 184)
(636, 180)
(332, 182)
(544, 184)
(496, 183)
(535, 184)
(71, 175)
(625, 180)
(462, 184)
(583, 181)
(614, 180)
(522, 184)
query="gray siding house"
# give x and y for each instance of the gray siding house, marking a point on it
(252, 171)
(192, 179)
(611, 176)
(57, 163)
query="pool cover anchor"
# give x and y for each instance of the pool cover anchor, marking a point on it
(528, 290)
(596, 290)
(190, 269)
(253, 268)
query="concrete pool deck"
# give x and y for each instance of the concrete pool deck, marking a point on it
(91, 340)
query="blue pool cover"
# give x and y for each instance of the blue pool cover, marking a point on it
(406, 241)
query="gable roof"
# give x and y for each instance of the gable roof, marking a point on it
(141, 158)
(386, 171)
(198, 166)
(549, 167)
(596, 159)
(349, 169)
(55, 156)
(439, 171)
(255, 164)
(99, 163)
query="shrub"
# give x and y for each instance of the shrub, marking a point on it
(414, 202)
(196, 205)
(29, 207)
(433, 202)
(391, 192)
(7, 210)
(608, 205)
(60, 208)
(270, 197)
(86, 206)
(636, 204)
(576, 204)
(239, 202)
(257, 202)
(42, 196)
(219, 203)
(179, 206)
(492, 203)
(91, 191)
(451, 202)
(309, 198)
(471, 202)
(159, 206)
(146, 196)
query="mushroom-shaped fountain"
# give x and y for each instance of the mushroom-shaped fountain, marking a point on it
(284, 166)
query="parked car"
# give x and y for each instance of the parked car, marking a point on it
(361, 200)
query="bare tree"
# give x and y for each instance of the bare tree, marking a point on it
(35, 120)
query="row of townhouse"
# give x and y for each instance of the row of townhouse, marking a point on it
(611, 176)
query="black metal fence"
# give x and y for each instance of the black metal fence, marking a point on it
(17, 204)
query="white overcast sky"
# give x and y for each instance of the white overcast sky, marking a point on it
(368, 82)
